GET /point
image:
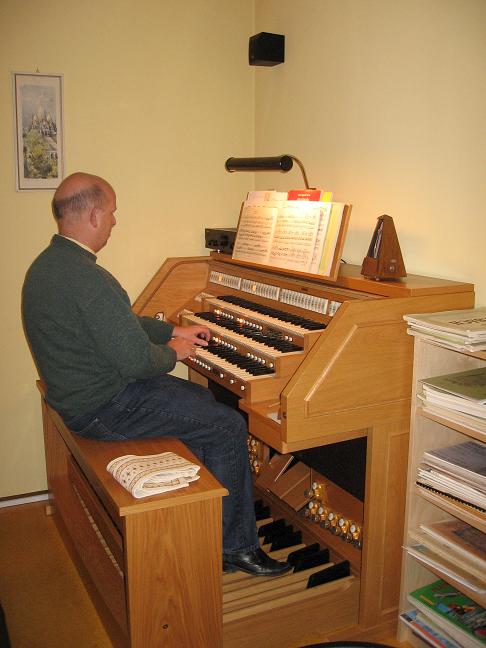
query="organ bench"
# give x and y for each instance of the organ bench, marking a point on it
(152, 566)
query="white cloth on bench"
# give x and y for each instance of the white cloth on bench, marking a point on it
(152, 474)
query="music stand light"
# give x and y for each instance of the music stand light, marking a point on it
(281, 163)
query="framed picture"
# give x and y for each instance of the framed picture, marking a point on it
(38, 130)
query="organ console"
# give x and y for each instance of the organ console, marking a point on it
(322, 370)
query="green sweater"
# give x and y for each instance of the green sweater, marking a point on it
(86, 341)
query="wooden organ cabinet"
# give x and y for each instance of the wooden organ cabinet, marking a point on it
(318, 367)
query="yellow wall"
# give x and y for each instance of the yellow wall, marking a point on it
(384, 101)
(157, 95)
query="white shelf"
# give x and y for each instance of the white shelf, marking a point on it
(430, 432)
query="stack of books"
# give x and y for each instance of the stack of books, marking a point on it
(442, 616)
(459, 397)
(463, 330)
(457, 472)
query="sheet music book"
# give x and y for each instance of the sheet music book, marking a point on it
(293, 234)
(335, 219)
(255, 231)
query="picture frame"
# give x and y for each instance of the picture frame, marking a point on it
(38, 122)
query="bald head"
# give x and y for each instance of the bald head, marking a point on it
(77, 193)
(83, 207)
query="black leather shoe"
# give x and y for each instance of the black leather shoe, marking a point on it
(254, 562)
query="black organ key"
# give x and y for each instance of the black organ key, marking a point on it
(274, 534)
(272, 339)
(233, 357)
(314, 560)
(271, 526)
(287, 539)
(294, 557)
(330, 574)
(305, 323)
(262, 512)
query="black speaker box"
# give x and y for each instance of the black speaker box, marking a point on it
(266, 49)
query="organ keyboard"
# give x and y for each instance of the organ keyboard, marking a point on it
(316, 366)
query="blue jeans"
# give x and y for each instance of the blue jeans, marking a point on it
(214, 432)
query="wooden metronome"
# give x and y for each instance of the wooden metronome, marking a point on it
(384, 259)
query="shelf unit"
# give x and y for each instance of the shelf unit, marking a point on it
(431, 432)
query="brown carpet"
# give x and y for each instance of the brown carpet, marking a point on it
(45, 603)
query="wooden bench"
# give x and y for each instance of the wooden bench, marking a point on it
(152, 566)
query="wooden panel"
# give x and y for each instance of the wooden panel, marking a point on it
(295, 618)
(176, 282)
(108, 530)
(105, 576)
(175, 600)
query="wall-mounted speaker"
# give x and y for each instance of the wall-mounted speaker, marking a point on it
(266, 49)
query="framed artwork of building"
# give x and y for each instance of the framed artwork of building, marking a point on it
(38, 113)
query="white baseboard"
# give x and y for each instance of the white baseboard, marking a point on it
(23, 499)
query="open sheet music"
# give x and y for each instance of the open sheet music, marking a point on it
(292, 234)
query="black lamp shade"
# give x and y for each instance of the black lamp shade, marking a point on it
(279, 163)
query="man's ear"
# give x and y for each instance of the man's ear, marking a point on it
(93, 218)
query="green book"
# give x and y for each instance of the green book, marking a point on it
(457, 614)
(466, 384)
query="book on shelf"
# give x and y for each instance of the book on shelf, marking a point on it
(292, 234)
(442, 492)
(466, 460)
(459, 539)
(448, 568)
(460, 558)
(454, 487)
(470, 385)
(432, 396)
(463, 330)
(427, 630)
(458, 615)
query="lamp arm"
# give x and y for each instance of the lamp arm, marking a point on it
(301, 167)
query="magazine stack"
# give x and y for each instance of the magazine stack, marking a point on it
(459, 397)
(463, 330)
